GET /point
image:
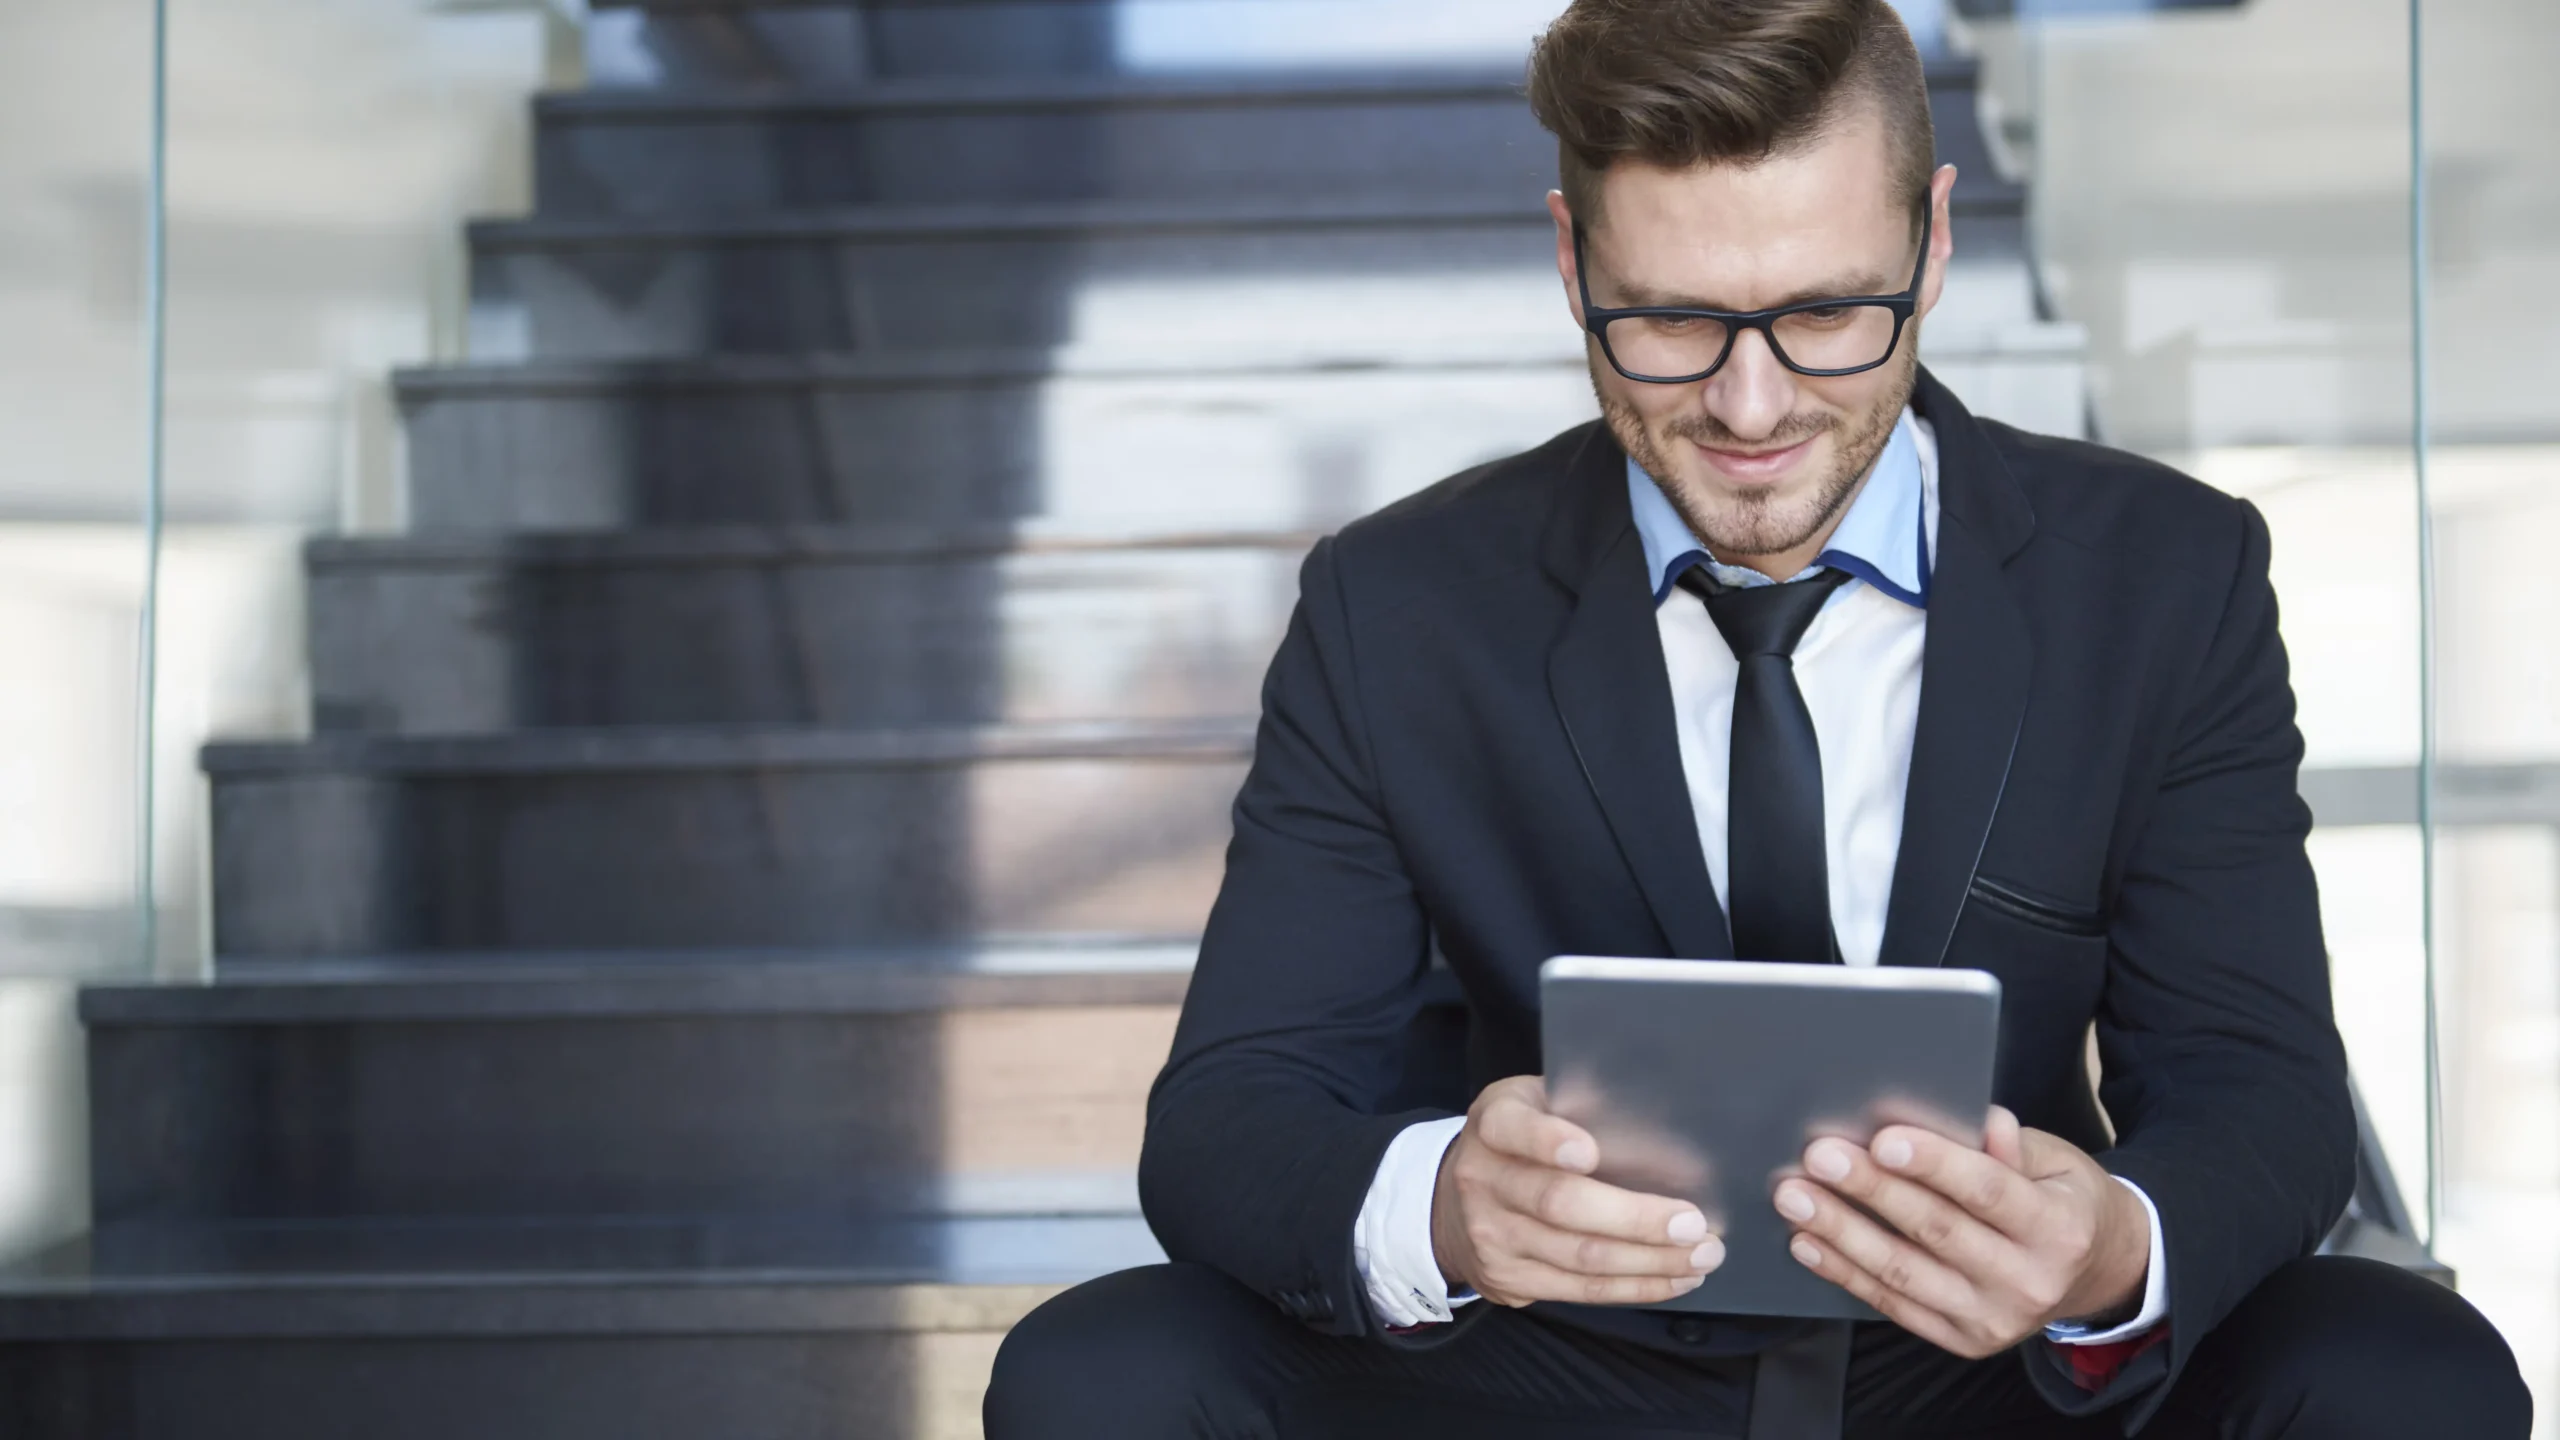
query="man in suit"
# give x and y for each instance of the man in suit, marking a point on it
(1790, 658)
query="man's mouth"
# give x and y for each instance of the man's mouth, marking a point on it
(1754, 466)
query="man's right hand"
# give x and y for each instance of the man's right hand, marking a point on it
(1517, 1217)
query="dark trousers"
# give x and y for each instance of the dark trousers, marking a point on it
(2325, 1349)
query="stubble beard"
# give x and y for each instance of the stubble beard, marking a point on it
(1738, 527)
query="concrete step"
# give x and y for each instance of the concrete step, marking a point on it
(1123, 274)
(1006, 139)
(593, 1331)
(883, 627)
(569, 1332)
(1109, 276)
(1018, 139)
(1161, 443)
(658, 840)
(827, 1090)
(1156, 442)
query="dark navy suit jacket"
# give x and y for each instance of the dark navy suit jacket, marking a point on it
(1467, 753)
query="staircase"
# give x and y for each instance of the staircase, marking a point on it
(701, 976)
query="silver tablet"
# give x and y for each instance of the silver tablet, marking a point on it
(1705, 1079)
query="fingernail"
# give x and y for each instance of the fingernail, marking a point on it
(1707, 1256)
(1688, 1228)
(1794, 1203)
(1688, 1284)
(1576, 1155)
(1828, 1160)
(1806, 1251)
(1893, 1154)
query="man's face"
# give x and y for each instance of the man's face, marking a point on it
(1759, 460)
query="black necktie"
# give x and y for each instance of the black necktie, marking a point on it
(1781, 888)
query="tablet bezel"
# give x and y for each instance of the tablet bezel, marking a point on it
(1745, 972)
(1669, 1052)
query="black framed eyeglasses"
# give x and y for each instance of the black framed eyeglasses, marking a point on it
(1672, 345)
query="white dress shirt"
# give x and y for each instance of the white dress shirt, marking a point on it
(1859, 668)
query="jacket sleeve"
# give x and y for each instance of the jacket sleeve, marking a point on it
(2223, 1070)
(1263, 1131)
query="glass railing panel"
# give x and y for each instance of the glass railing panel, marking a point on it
(2493, 465)
(74, 108)
(2220, 197)
(324, 162)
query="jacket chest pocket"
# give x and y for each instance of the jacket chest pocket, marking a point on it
(2051, 959)
(2039, 911)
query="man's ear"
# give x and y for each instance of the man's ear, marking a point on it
(1942, 236)
(1564, 253)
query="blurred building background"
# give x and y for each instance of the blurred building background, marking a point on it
(506, 334)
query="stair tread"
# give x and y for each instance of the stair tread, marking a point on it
(752, 544)
(1078, 217)
(1091, 90)
(746, 746)
(925, 368)
(921, 368)
(1098, 970)
(700, 1276)
(1976, 194)
(1039, 91)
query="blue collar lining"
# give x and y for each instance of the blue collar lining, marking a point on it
(1864, 544)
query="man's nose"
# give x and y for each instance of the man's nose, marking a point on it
(1753, 392)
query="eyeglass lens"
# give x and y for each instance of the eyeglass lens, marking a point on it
(1835, 337)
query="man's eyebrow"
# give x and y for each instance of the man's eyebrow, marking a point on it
(1848, 287)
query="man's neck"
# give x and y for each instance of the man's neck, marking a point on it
(1787, 564)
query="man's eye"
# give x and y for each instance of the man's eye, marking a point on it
(1827, 315)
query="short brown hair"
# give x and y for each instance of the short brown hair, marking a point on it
(1691, 82)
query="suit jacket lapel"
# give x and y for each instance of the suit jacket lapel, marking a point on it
(1614, 696)
(1974, 674)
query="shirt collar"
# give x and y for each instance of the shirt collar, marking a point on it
(1880, 541)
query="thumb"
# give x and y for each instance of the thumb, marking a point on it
(2002, 1138)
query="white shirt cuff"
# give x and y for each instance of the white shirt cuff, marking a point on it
(1391, 1241)
(2155, 1290)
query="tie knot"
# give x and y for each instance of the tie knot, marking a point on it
(1759, 620)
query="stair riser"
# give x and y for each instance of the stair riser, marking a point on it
(1027, 1110)
(404, 647)
(590, 298)
(857, 1385)
(589, 163)
(1268, 451)
(744, 160)
(322, 864)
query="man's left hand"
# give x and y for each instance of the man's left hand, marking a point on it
(1977, 1249)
